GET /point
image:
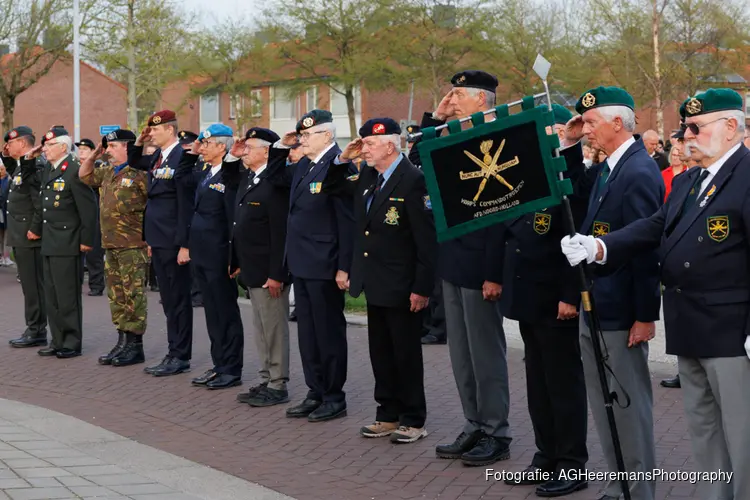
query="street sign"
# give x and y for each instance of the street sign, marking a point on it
(106, 129)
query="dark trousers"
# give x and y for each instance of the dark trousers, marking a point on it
(152, 282)
(174, 289)
(31, 273)
(433, 316)
(556, 395)
(95, 265)
(396, 355)
(321, 331)
(195, 290)
(62, 291)
(223, 319)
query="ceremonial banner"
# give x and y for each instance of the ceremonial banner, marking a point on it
(492, 171)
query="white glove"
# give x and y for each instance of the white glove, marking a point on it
(579, 248)
(747, 346)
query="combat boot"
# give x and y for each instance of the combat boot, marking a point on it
(132, 353)
(106, 359)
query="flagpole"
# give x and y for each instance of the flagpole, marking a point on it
(76, 71)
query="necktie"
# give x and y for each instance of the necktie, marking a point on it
(157, 164)
(695, 191)
(375, 191)
(312, 166)
(250, 177)
(603, 176)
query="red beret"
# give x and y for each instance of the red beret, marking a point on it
(163, 116)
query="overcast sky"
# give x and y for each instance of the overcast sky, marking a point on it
(213, 11)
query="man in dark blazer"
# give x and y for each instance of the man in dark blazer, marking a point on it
(24, 231)
(629, 187)
(258, 240)
(166, 228)
(701, 235)
(394, 265)
(651, 143)
(68, 228)
(318, 254)
(215, 184)
(471, 273)
(541, 291)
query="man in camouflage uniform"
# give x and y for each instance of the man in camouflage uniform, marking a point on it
(123, 196)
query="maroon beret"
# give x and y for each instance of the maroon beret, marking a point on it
(163, 116)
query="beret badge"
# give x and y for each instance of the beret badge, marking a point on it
(49, 135)
(156, 119)
(693, 106)
(588, 100)
(13, 134)
(252, 133)
(378, 128)
(308, 122)
(207, 134)
(461, 79)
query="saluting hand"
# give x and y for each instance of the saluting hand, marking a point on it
(418, 302)
(238, 148)
(352, 150)
(34, 153)
(144, 137)
(195, 147)
(98, 152)
(5, 150)
(290, 139)
(573, 130)
(445, 109)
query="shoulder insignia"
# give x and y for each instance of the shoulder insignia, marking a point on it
(718, 227)
(542, 223)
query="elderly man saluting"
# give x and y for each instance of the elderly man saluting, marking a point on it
(701, 234)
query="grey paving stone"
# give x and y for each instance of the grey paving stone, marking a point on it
(25, 463)
(118, 479)
(43, 482)
(33, 446)
(40, 494)
(142, 489)
(92, 491)
(13, 453)
(6, 484)
(95, 470)
(43, 472)
(57, 453)
(74, 461)
(166, 496)
(74, 481)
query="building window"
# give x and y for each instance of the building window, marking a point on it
(284, 108)
(209, 109)
(338, 102)
(747, 105)
(256, 103)
(234, 104)
(312, 98)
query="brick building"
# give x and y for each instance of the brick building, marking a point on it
(50, 101)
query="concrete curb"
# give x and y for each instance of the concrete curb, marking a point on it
(170, 470)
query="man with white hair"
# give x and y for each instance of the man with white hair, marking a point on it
(651, 143)
(318, 254)
(68, 228)
(395, 252)
(629, 187)
(702, 235)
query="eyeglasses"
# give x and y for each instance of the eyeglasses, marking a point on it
(696, 129)
(206, 143)
(306, 135)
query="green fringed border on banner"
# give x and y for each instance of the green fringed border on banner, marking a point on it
(542, 117)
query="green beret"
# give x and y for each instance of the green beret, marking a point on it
(711, 101)
(314, 117)
(682, 108)
(562, 114)
(604, 96)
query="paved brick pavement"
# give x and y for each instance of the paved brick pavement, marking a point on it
(305, 461)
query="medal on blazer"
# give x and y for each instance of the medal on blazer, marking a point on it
(708, 195)
(58, 185)
(17, 180)
(316, 187)
(217, 187)
(126, 182)
(391, 217)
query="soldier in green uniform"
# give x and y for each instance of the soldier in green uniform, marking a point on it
(122, 203)
(68, 227)
(25, 230)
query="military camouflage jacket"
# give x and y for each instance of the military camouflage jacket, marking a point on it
(122, 202)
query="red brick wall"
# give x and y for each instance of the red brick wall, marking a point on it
(177, 98)
(394, 104)
(50, 102)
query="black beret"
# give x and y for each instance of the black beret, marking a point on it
(86, 142)
(263, 134)
(187, 137)
(476, 80)
(22, 131)
(379, 126)
(314, 117)
(119, 135)
(56, 131)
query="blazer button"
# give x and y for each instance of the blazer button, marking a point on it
(687, 265)
(678, 290)
(700, 239)
(663, 288)
(518, 250)
(367, 233)
(366, 254)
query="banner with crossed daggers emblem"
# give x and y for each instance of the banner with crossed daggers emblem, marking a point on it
(492, 171)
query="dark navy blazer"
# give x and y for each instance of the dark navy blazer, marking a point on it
(634, 190)
(705, 260)
(170, 202)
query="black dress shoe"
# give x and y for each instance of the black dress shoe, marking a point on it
(154, 288)
(67, 354)
(224, 381)
(207, 377)
(430, 339)
(531, 475)
(303, 409)
(171, 366)
(106, 359)
(47, 351)
(269, 397)
(25, 341)
(561, 487)
(151, 369)
(463, 443)
(487, 451)
(293, 317)
(328, 411)
(244, 397)
(672, 383)
(96, 293)
(132, 353)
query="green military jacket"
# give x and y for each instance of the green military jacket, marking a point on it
(68, 210)
(24, 203)
(122, 203)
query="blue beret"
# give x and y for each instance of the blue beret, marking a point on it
(263, 134)
(216, 130)
(379, 126)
